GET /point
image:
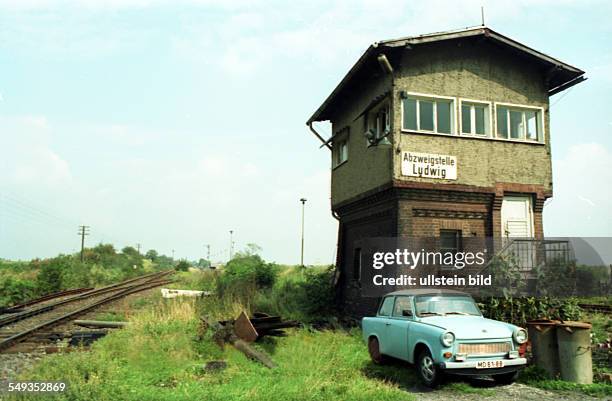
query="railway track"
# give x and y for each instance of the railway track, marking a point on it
(597, 308)
(44, 298)
(17, 327)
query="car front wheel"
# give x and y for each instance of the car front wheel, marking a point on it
(427, 370)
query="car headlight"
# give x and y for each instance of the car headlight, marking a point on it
(447, 338)
(520, 336)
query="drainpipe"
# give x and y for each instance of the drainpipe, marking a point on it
(326, 143)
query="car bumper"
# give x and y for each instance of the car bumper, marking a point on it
(469, 367)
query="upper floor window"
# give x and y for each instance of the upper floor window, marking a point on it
(379, 120)
(340, 152)
(428, 114)
(519, 123)
(475, 118)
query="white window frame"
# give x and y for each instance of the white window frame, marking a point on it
(522, 108)
(472, 102)
(374, 123)
(423, 96)
(337, 152)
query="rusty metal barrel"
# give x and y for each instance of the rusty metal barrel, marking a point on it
(574, 343)
(543, 337)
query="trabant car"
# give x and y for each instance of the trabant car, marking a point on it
(443, 332)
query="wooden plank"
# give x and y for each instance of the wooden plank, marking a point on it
(99, 323)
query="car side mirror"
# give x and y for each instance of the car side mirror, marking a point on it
(407, 313)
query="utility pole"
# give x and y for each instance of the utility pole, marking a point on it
(83, 231)
(173, 254)
(303, 200)
(138, 248)
(231, 248)
(208, 255)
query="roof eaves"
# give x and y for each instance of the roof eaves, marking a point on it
(315, 116)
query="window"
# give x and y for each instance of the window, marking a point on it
(379, 121)
(450, 241)
(523, 124)
(475, 118)
(428, 114)
(403, 307)
(340, 152)
(357, 264)
(386, 307)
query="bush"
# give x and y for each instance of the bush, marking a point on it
(14, 291)
(520, 310)
(182, 266)
(247, 271)
(49, 277)
(305, 295)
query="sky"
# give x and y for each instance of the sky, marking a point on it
(170, 123)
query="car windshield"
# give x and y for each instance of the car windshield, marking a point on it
(441, 305)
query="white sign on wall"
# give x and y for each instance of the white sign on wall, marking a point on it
(429, 165)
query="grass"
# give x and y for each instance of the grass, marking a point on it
(465, 388)
(535, 377)
(158, 358)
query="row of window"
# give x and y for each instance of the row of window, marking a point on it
(431, 114)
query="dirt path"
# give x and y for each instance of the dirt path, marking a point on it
(513, 392)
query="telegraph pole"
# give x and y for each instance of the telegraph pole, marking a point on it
(138, 248)
(231, 248)
(303, 200)
(83, 231)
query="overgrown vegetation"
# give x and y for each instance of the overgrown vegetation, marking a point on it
(158, 357)
(101, 265)
(162, 356)
(520, 310)
(536, 377)
(298, 293)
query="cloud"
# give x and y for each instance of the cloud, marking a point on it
(27, 156)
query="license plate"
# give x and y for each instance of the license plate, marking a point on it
(489, 364)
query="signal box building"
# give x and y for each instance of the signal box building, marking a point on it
(440, 135)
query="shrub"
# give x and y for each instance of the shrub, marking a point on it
(305, 295)
(521, 310)
(248, 270)
(14, 291)
(49, 278)
(182, 266)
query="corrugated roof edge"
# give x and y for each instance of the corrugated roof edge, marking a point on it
(435, 37)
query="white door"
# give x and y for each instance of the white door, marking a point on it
(517, 217)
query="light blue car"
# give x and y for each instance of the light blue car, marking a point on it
(443, 331)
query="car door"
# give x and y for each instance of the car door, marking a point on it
(383, 323)
(399, 328)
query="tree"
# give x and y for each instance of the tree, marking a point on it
(182, 266)
(203, 263)
(49, 278)
(130, 251)
(151, 255)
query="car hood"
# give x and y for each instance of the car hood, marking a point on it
(471, 327)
